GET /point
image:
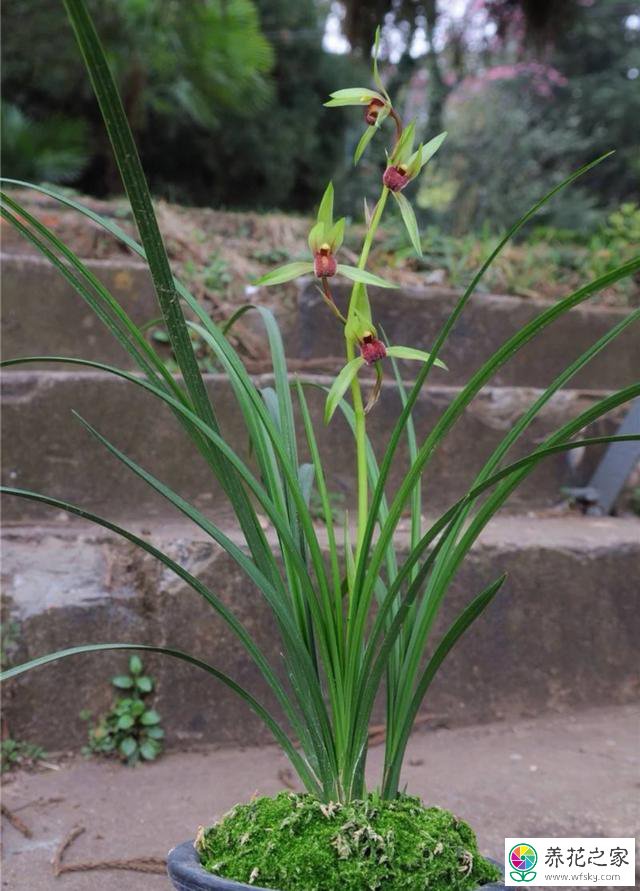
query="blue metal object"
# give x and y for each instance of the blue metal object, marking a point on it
(599, 496)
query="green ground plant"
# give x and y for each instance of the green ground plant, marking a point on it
(18, 753)
(544, 264)
(14, 752)
(130, 729)
(356, 620)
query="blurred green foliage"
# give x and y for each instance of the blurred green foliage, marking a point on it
(517, 126)
(225, 98)
(203, 82)
(547, 262)
(52, 150)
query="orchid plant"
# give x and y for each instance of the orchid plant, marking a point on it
(355, 618)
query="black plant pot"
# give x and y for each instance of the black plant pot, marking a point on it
(186, 874)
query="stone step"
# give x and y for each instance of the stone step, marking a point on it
(43, 315)
(562, 633)
(47, 450)
(414, 318)
(410, 317)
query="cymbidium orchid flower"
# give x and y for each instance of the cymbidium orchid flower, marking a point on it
(372, 352)
(377, 102)
(325, 240)
(404, 164)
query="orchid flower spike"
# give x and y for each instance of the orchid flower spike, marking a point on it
(405, 164)
(372, 352)
(377, 103)
(325, 239)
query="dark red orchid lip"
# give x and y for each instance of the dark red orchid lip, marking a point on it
(395, 178)
(372, 112)
(372, 349)
(324, 263)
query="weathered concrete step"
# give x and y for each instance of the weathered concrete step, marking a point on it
(46, 449)
(564, 628)
(415, 317)
(41, 314)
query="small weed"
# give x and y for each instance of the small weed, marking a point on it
(17, 753)
(216, 276)
(9, 637)
(130, 730)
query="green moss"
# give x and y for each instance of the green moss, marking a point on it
(297, 843)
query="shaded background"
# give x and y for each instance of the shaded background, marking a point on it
(225, 99)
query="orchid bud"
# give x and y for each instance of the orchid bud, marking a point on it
(372, 112)
(372, 349)
(324, 263)
(396, 178)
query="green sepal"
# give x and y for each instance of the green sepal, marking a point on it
(432, 147)
(376, 74)
(402, 352)
(335, 235)
(359, 319)
(410, 221)
(285, 273)
(358, 325)
(316, 237)
(365, 139)
(364, 277)
(404, 147)
(353, 96)
(325, 211)
(414, 163)
(340, 386)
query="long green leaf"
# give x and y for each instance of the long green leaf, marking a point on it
(212, 599)
(398, 430)
(523, 423)
(487, 511)
(465, 619)
(454, 411)
(278, 733)
(92, 291)
(371, 671)
(128, 161)
(293, 642)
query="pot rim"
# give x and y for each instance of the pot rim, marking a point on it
(187, 873)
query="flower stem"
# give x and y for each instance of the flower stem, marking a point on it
(356, 392)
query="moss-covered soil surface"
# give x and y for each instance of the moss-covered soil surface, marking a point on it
(294, 842)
